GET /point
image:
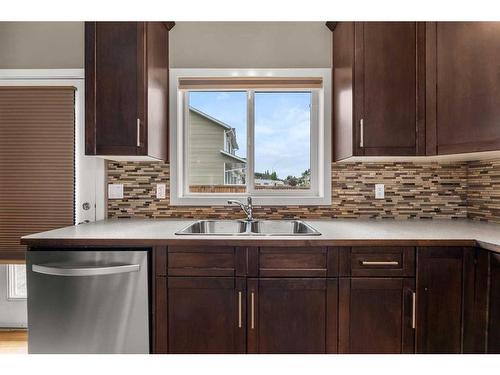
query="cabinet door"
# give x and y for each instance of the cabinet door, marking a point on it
(206, 315)
(494, 305)
(465, 57)
(439, 299)
(292, 315)
(386, 100)
(376, 315)
(115, 97)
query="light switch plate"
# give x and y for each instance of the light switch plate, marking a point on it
(115, 191)
(379, 191)
(161, 190)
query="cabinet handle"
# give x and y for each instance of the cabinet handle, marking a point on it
(252, 310)
(379, 263)
(138, 132)
(413, 310)
(361, 133)
(239, 309)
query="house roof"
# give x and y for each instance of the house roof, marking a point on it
(230, 131)
(241, 160)
(213, 119)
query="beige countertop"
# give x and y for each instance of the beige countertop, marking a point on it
(334, 232)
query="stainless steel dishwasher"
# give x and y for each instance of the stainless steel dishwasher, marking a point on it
(88, 301)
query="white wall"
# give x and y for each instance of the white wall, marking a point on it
(41, 45)
(45, 45)
(13, 314)
(250, 45)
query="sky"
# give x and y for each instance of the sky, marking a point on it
(282, 126)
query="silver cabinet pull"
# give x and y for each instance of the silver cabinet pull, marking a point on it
(379, 263)
(61, 270)
(239, 310)
(361, 133)
(138, 132)
(413, 310)
(252, 310)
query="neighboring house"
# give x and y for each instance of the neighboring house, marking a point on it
(212, 152)
(268, 182)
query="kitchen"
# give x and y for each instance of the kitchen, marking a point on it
(202, 188)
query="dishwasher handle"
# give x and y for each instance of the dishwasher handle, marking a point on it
(60, 270)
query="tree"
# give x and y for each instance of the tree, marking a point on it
(291, 181)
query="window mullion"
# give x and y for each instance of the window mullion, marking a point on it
(250, 141)
(184, 177)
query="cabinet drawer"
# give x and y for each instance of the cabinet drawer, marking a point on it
(379, 261)
(204, 261)
(293, 262)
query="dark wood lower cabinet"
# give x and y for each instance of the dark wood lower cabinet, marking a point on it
(494, 305)
(375, 315)
(292, 315)
(453, 305)
(160, 321)
(440, 280)
(206, 315)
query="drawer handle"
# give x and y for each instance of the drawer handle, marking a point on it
(239, 309)
(379, 263)
(252, 310)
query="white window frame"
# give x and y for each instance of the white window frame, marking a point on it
(320, 192)
(12, 292)
(89, 170)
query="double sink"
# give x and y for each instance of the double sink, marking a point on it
(249, 228)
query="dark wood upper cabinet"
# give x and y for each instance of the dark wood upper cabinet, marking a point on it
(463, 87)
(292, 315)
(378, 94)
(126, 89)
(206, 315)
(376, 315)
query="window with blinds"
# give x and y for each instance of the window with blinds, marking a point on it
(37, 130)
(259, 132)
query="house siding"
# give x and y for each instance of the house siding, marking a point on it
(206, 162)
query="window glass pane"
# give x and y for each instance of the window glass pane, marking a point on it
(17, 281)
(282, 140)
(217, 141)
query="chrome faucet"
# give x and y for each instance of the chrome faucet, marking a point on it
(247, 208)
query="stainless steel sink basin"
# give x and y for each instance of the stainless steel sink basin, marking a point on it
(283, 228)
(256, 228)
(216, 227)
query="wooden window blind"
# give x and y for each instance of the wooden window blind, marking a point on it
(36, 163)
(203, 83)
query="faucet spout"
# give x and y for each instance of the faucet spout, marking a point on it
(247, 208)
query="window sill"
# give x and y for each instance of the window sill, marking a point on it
(221, 200)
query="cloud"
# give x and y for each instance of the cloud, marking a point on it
(282, 135)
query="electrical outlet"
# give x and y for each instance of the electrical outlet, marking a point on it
(161, 190)
(379, 191)
(115, 191)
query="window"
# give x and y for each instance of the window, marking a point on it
(243, 133)
(16, 275)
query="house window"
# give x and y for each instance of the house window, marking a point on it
(16, 275)
(250, 134)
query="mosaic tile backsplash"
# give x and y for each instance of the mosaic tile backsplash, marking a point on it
(483, 190)
(412, 190)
